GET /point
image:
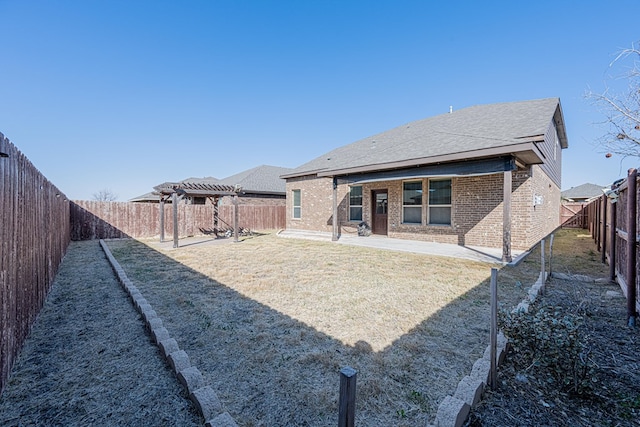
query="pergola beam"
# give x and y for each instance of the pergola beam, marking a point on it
(186, 189)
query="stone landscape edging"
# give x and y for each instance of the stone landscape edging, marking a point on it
(454, 410)
(203, 396)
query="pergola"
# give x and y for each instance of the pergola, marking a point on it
(178, 190)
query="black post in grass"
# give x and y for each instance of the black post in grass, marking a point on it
(347, 402)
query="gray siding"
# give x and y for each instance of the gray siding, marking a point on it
(552, 152)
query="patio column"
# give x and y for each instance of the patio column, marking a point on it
(334, 236)
(506, 218)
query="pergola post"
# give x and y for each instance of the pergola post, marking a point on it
(161, 218)
(174, 201)
(506, 218)
(216, 214)
(235, 218)
(177, 191)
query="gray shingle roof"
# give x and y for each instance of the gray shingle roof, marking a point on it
(205, 180)
(480, 127)
(584, 191)
(147, 197)
(261, 179)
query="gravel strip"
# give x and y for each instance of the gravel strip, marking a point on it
(89, 360)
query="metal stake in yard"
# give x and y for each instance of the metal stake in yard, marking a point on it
(550, 253)
(494, 329)
(347, 402)
(543, 268)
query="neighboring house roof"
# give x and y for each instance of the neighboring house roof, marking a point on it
(583, 192)
(261, 179)
(147, 197)
(205, 180)
(480, 131)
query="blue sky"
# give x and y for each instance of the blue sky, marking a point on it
(124, 95)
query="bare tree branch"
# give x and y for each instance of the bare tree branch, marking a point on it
(622, 110)
(105, 195)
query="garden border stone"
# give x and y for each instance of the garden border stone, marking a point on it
(203, 396)
(454, 410)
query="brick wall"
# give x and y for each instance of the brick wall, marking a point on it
(476, 209)
(316, 202)
(544, 217)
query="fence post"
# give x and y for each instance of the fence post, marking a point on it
(603, 227)
(347, 402)
(494, 329)
(612, 242)
(631, 246)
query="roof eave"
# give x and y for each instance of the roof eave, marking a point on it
(558, 118)
(527, 153)
(264, 192)
(304, 173)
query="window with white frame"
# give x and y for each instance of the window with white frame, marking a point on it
(440, 201)
(297, 209)
(355, 203)
(412, 202)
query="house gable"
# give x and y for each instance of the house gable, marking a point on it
(516, 129)
(502, 163)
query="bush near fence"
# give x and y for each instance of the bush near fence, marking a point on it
(34, 235)
(104, 220)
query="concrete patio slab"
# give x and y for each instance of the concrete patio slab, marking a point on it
(475, 253)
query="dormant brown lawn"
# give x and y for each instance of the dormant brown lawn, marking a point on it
(270, 321)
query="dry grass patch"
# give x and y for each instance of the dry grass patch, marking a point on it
(88, 360)
(270, 322)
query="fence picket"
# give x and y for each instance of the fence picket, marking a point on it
(34, 235)
(105, 220)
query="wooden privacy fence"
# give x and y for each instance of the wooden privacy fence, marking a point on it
(34, 235)
(574, 215)
(613, 226)
(104, 220)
